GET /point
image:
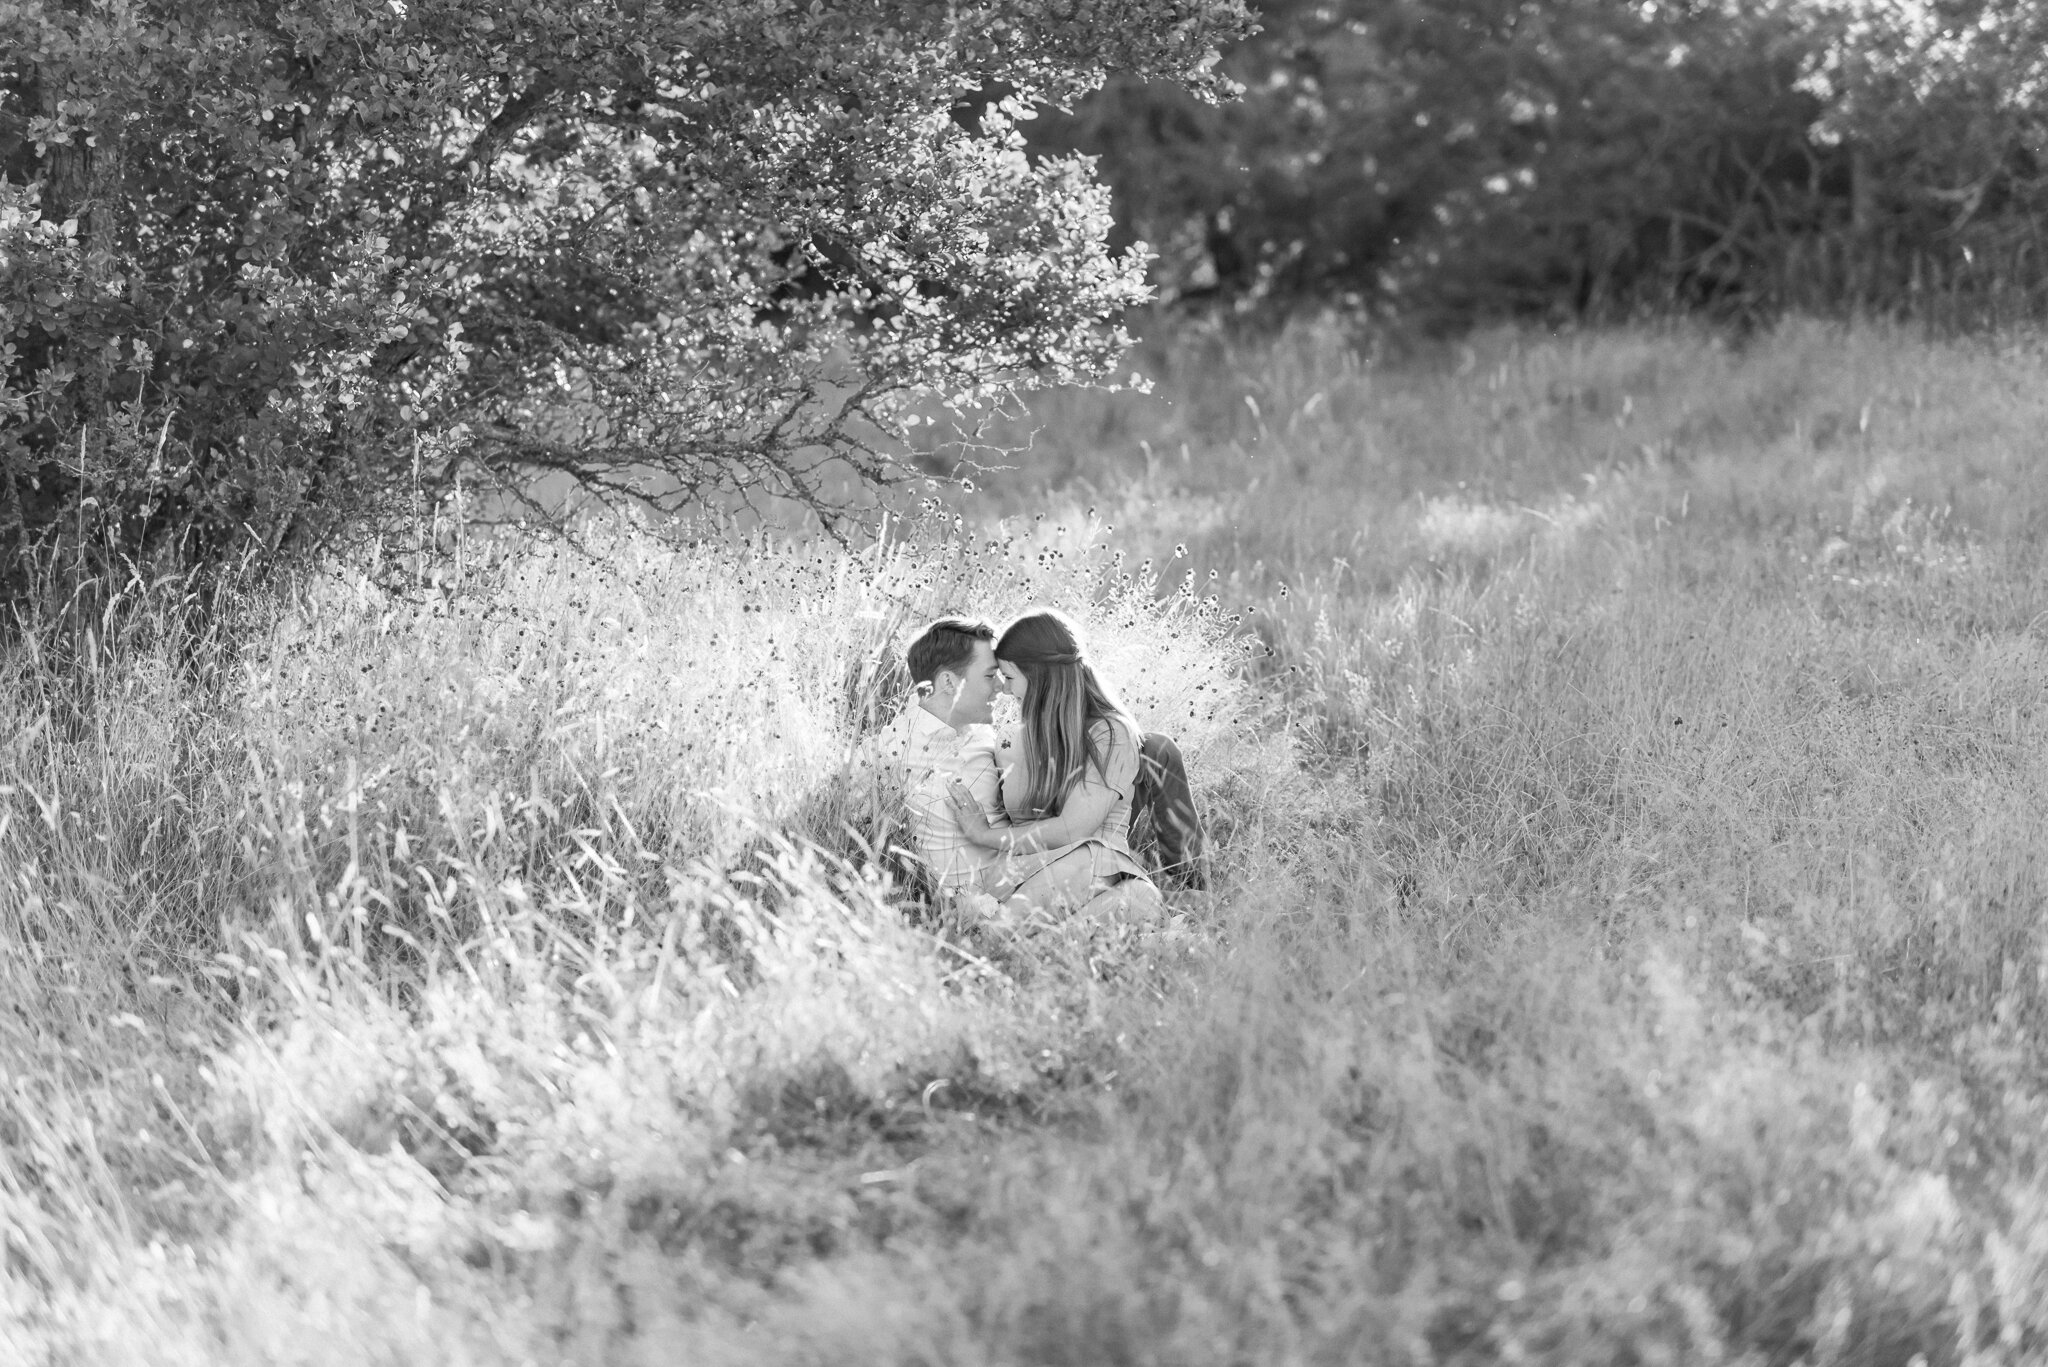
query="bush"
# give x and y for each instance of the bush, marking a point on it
(265, 268)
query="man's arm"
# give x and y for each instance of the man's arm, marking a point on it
(982, 772)
(953, 859)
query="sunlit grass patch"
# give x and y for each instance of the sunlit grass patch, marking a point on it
(539, 888)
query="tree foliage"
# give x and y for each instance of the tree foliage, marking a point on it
(1458, 159)
(266, 262)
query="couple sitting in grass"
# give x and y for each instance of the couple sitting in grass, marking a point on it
(1039, 815)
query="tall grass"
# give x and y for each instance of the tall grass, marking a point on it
(515, 883)
(1623, 752)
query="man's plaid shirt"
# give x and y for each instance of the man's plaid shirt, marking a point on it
(922, 754)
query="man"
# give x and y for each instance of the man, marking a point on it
(944, 734)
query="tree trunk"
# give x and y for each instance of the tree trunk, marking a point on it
(1862, 192)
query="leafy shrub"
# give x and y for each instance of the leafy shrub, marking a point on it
(265, 268)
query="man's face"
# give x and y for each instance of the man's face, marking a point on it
(979, 679)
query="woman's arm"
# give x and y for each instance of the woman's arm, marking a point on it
(1081, 815)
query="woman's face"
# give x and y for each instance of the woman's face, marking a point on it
(1014, 682)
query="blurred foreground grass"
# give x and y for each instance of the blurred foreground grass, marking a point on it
(1626, 756)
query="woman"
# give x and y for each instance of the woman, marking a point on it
(1067, 782)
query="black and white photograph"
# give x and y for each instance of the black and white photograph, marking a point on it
(1023, 683)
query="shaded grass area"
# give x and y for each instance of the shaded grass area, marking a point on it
(1624, 754)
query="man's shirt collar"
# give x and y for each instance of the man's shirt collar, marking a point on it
(924, 727)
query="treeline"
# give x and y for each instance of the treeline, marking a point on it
(1459, 160)
(273, 272)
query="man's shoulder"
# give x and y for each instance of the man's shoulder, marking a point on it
(899, 741)
(979, 738)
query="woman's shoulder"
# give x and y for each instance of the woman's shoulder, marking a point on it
(1112, 731)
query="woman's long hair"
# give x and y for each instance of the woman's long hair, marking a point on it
(1063, 702)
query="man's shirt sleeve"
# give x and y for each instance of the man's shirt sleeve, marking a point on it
(981, 771)
(953, 859)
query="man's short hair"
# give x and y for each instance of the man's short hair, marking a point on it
(946, 644)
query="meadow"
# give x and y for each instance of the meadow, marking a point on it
(1624, 754)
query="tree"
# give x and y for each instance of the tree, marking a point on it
(264, 265)
(1454, 160)
(1943, 111)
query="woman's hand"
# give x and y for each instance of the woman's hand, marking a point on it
(967, 808)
